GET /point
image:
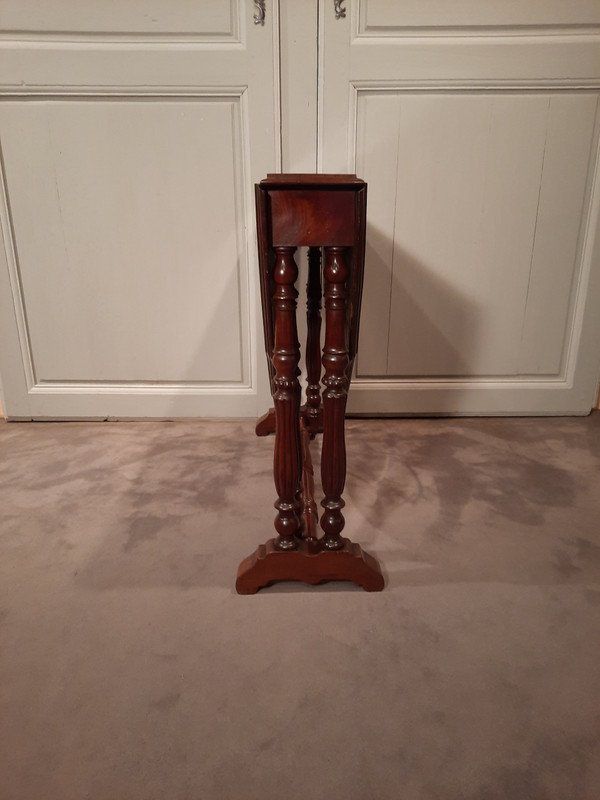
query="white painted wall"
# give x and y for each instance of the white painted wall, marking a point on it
(132, 135)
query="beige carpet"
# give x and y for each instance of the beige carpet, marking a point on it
(130, 670)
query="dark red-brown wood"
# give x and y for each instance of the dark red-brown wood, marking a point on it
(335, 381)
(310, 511)
(312, 411)
(286, 395)
(327, 214)
(268, 565)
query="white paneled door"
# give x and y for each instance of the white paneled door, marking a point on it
(132, 135)
(475, 124)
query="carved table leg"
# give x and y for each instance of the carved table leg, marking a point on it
(286, 396)
(335, 393)
(313, 410)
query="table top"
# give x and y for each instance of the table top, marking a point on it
(283, 180)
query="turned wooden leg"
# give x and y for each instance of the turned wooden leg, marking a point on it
(313, 340)
(335, 393)
(286, 397)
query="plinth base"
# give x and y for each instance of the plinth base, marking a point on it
(267, 565)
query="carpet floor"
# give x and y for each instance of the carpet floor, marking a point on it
(130, 669)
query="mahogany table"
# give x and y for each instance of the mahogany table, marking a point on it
(327, 214)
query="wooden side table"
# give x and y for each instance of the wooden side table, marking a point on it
(327, 214)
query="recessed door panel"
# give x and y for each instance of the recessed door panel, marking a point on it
(476, 128)
(129, 282)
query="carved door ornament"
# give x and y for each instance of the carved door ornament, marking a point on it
(340, 11)
(260, 12)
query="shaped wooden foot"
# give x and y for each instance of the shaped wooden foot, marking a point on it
(268, 565)
(266, 424)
